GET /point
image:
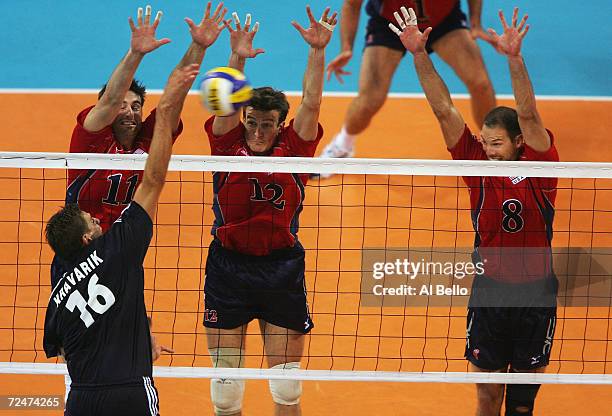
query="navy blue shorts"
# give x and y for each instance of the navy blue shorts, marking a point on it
(379, 34)
(128, 400)
(239, 288)
(521, 337)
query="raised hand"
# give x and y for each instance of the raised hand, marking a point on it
(337, 64)
(413, 40)
(510, 42)
(241, 39)
(143, 35)
(319, 33)
(207, 32)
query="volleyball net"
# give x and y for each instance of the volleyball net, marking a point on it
(388, 266)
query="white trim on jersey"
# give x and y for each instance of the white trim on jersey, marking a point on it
(152, 396)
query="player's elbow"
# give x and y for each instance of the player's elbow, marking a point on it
(443, 111)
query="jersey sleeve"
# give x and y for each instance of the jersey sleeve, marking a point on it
(51, 342)
(223, 145)
(84, 141)
(131, 233)
(296, 146)
(468, 147)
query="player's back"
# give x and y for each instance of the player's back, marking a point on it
(96, 312)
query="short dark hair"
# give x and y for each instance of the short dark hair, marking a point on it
(269, 99)
(64, 231)
(137, 87)
(505, 117)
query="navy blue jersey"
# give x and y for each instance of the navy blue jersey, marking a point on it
(96, 312)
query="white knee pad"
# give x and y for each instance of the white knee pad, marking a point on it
(226, 395)
(286, 392)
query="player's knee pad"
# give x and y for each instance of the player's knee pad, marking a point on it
(286, 392)
(520, 399)
(226, 395)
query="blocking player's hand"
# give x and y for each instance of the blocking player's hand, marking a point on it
(337, 64)
(207, 31)
(241, 38)
(412, 38)
(143, 33)
(510, 42)
(319, 33)
(478, 32)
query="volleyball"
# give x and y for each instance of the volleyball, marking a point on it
(224, 90)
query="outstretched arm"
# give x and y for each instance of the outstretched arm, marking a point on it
(509, 44)
(143, 41)
(436, 92)
(349, 22)
(168, 113)
(241, 42)
(170, 107)
(318, 35)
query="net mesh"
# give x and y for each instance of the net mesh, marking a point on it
(348, 223)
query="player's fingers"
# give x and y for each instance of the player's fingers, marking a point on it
(426, 34)
(190, 23)
(325, 13)
(166, 349)
(132, 25)
(311, 17)
(413, 17)
(158, 17)
(298, 27)
(333, 19)
(522, 24)
(255, 28)
(207, 10)
(237, 21)
(258, 51)
(215, 15)
(514, 16)
(524, 32)
(162, 42)
(503, 20)
(247, 22)
(395, 29)
(220, 19)
(399, 21)
(405, 13)
(139, 16)
(147, 17)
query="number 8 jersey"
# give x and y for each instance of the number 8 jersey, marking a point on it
(512, 216)
(258, 212)
(96, 312)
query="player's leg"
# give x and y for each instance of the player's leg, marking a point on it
(535, 329)
(381, 56)
(227, 350)
(226, 316)
(454, 44)
(487, 350)
(284, 348)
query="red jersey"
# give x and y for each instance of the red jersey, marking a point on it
(512, 216)
(105, 193)
(429, 12)
(258, 212)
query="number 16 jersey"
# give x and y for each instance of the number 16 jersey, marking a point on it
(96, 312)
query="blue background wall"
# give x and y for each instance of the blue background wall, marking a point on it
(76, 44)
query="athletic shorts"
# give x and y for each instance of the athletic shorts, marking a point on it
(521, 337)
(128, 400)
(239, 288)
(379, 34)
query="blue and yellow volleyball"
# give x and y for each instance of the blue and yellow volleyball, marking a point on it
(225, 90)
